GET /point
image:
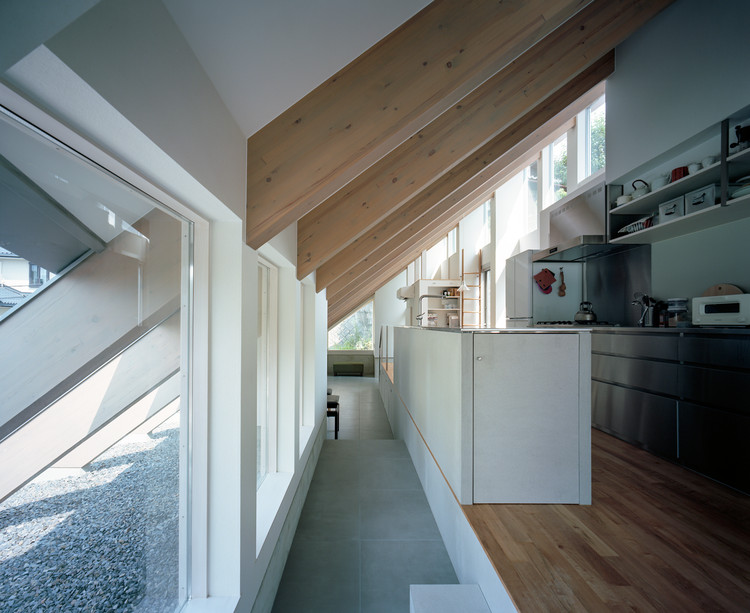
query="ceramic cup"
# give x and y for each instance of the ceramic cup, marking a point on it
(693, 168)
(679, 172)
(707, 161)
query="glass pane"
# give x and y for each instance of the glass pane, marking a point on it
(532, 196)
(597, 135)
(91, 413)
(355, 332)
(263, 372)
(452, 243)
(560, 167)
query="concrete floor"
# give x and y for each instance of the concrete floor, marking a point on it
(366, 531)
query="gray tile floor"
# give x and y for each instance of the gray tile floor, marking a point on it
(366, 531)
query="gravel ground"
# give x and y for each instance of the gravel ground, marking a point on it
(106, 540)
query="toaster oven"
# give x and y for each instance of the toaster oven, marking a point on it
(733, 310)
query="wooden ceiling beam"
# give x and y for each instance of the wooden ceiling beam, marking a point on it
(464, 128)
(396, 87)
(468, 180)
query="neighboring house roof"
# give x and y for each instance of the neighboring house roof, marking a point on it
(4, 253)
(10, 297)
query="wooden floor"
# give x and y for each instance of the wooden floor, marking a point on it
(656, 538)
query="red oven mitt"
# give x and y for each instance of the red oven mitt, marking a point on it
(544, 279)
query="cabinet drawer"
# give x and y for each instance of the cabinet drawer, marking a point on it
(714, 442)
(717, 388)
(658, 377)
(733, 352)
(647, 345)
(640, 418)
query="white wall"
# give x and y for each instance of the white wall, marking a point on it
(677, 75)
(388, 311)
(121, 85)
(23, 28)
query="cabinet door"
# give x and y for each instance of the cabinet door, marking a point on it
(526, 418)
(648, 375)
(643, 419)
(714, 442)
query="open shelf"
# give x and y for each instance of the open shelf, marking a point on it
(647, 203)
(738, 208)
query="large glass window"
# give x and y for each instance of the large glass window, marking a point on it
(435, 258)
(267, 370)
(558, 170)
(595, 136)
(94, 419)
(355, 332)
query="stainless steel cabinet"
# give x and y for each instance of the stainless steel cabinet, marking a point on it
(680, 394)
(715, 442)
(646, 420)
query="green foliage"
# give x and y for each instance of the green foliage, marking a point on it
(598, 139)
(560, 175)
(355, 332)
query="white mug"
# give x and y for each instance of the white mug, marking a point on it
(693, 168)
(707, 161)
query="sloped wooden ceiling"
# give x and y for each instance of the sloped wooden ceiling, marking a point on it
(385, 155)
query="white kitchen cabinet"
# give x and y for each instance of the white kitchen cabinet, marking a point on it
(506, 414)
(517, 292)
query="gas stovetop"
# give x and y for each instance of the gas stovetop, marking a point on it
(572, 324)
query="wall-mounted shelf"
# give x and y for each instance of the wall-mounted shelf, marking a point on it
(736, 209)
(724, 173)
(648, 203)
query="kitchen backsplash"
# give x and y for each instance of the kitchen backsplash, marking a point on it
(612, 280)
(688, 265)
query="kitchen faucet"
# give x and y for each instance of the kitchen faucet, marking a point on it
(419, 304)
(645, 302)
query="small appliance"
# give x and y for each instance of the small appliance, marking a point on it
(732, 310)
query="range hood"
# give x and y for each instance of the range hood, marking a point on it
(576, 228)
(579, 249)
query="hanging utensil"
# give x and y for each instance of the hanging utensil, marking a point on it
(561, 289)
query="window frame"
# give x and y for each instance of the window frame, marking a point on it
(369, 301)
(271, 367)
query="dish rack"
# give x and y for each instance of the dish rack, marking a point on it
(636, 226)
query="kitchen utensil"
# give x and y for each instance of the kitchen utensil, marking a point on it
(636, 226)
(624, 199)
(741, 191)
(544, 279)
(659, 182)
(693, 168)
(641, 190)
(586, 313)
(722, 289)
(647, 309)
(743, 137)
(679, 172)
(561, 289)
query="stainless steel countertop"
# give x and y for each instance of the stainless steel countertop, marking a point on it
(690, 330)
(501, 330)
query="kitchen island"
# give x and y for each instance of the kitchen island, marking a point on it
(506, 414)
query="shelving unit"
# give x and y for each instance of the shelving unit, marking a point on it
(723, 173)
(734, 210)
(441, 308)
